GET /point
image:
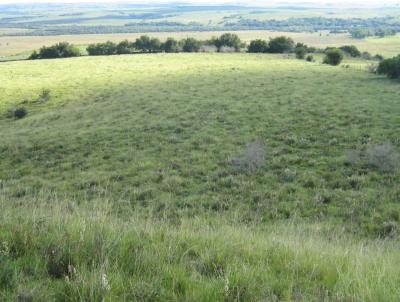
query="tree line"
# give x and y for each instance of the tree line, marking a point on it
(227, 42)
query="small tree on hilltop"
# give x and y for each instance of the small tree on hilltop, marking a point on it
(333, 56)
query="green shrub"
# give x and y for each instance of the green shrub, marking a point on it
(102, 49)
(333, 56)
(300, 52)
(18, 113)
(227, 40)
(59, 50)
(310, 58)
(147, 44)
(124, 47)
(281, 45)
(390, 67)
(258, 46)
(351, 50)
(170, 45)
(190, 45)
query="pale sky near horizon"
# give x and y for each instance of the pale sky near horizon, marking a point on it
(250, 2)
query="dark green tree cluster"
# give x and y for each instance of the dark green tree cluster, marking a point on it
(276, 45)
(146, 44)
(333, 56)
(351, 50)
(280, 45)
(390, 67)
(59, 50)
(143, 44)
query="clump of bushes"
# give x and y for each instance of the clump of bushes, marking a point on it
(251, 160)
(383, 158)
(227, 41)
(258, 46)
(59, 50)
(17, 113)
(100, 49)
(300, 52)
(390, 67)
(310, 58)
(333, 56)
(351, 50)
(280, 45)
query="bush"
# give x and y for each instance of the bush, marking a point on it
(366, 55)
(333, 56)
(147, 44)
(170, 45)
(258, 46)
(383, 158)
(19, 113)
(310, 58)
(300, 52)
(251, 159)
(227, 40)
(351, 50)
(390, 67)
(124, 47)
(281, 45)
(190, 45)
(102, 49)
(59, 50)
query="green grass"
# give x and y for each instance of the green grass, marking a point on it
(126, 170)
(62, 251)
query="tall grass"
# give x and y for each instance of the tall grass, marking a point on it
(61, 251)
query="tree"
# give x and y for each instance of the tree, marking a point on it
(351, 50)
(102, 49)
(227, 40)
(147, 44)
(125, 47)
(190, 45)
(143, 43)
(301, 52)
(155, 45)
(390, 67)
(59, 50)
(170, 45)
(281, 45)
(333, 56)
(258, 46)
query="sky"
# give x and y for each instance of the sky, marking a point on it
(249, 2)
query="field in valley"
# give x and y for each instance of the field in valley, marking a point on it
(197, 177)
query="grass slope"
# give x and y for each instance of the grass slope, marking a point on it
(126, 171)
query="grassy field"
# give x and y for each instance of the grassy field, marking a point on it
(131, 179)
(10, 46)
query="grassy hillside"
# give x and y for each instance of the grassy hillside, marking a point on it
(132, 178)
